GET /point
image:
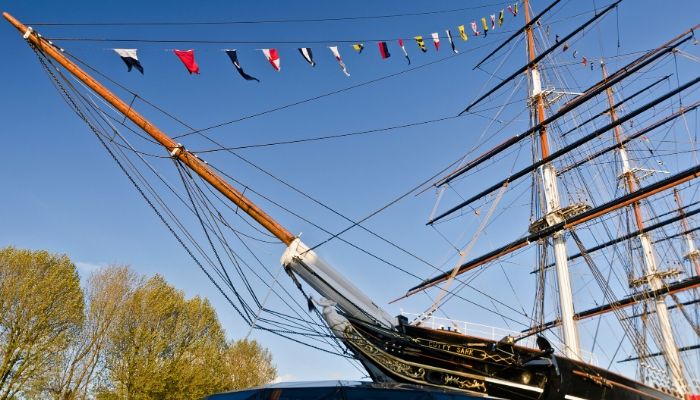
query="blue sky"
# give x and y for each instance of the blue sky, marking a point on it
(63, 192)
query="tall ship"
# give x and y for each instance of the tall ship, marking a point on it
(581, 178)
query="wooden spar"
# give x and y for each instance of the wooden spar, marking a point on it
(541, 56)
(618, 104)
(517, 32)
(544, 142)
(631, 137)
(681, 349)
(671, 307)
(677, 287)
(175, 149)
(593, 91)
(546, 159)
(675, 235)
(630, 235)
(615, 204)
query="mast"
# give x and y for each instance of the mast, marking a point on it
(322, 277)
(552, 207)
(693, 254)
(652, 275)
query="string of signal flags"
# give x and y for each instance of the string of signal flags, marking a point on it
(187, 57)
(476, 28)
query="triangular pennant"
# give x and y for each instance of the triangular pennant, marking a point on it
(187, 58)
(493, 21)
(436, 40)
(421, 43)
(273, 58)
(130, 59)
(308, 56)
(234, 59)
(358, 47)
(500, 18)
(452, 43)
(383, 50)
(463, 33)
(405, 53)
(336, 54)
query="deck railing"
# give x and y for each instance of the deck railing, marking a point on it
(484, 331)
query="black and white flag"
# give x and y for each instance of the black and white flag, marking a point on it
(234, 59)
(308, 56)
(130, 59)
(452, 43)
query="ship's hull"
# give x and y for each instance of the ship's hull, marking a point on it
(480, 366)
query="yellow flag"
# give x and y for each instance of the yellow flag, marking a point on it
(462, 32)
(486, 26)
(500, 18)
(421, 43)
(358, 47)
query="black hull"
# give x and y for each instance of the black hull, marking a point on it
(484, 367)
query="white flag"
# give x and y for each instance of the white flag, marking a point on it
(334, 50)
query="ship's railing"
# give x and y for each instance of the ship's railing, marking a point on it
(484, 331)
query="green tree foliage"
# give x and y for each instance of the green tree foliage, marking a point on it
(164, 346)
(248, 364)
(134, 338)
(41, 311)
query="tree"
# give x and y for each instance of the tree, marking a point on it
(107, 292)
(41, 310)
(248, 364)
(134, 338)
(164, 346)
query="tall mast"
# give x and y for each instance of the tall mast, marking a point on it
(693, 254)
(552, 202)
(652, 276)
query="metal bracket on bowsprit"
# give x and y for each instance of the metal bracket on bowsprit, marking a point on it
(177, 150)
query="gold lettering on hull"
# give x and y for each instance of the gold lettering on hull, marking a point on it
(417, 373)
(468, 352)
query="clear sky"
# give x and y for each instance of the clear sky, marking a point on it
(62, 192)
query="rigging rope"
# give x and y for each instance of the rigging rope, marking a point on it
(269, 21)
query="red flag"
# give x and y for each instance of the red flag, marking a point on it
(187, 58)
(384, 50)
(273, 57)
